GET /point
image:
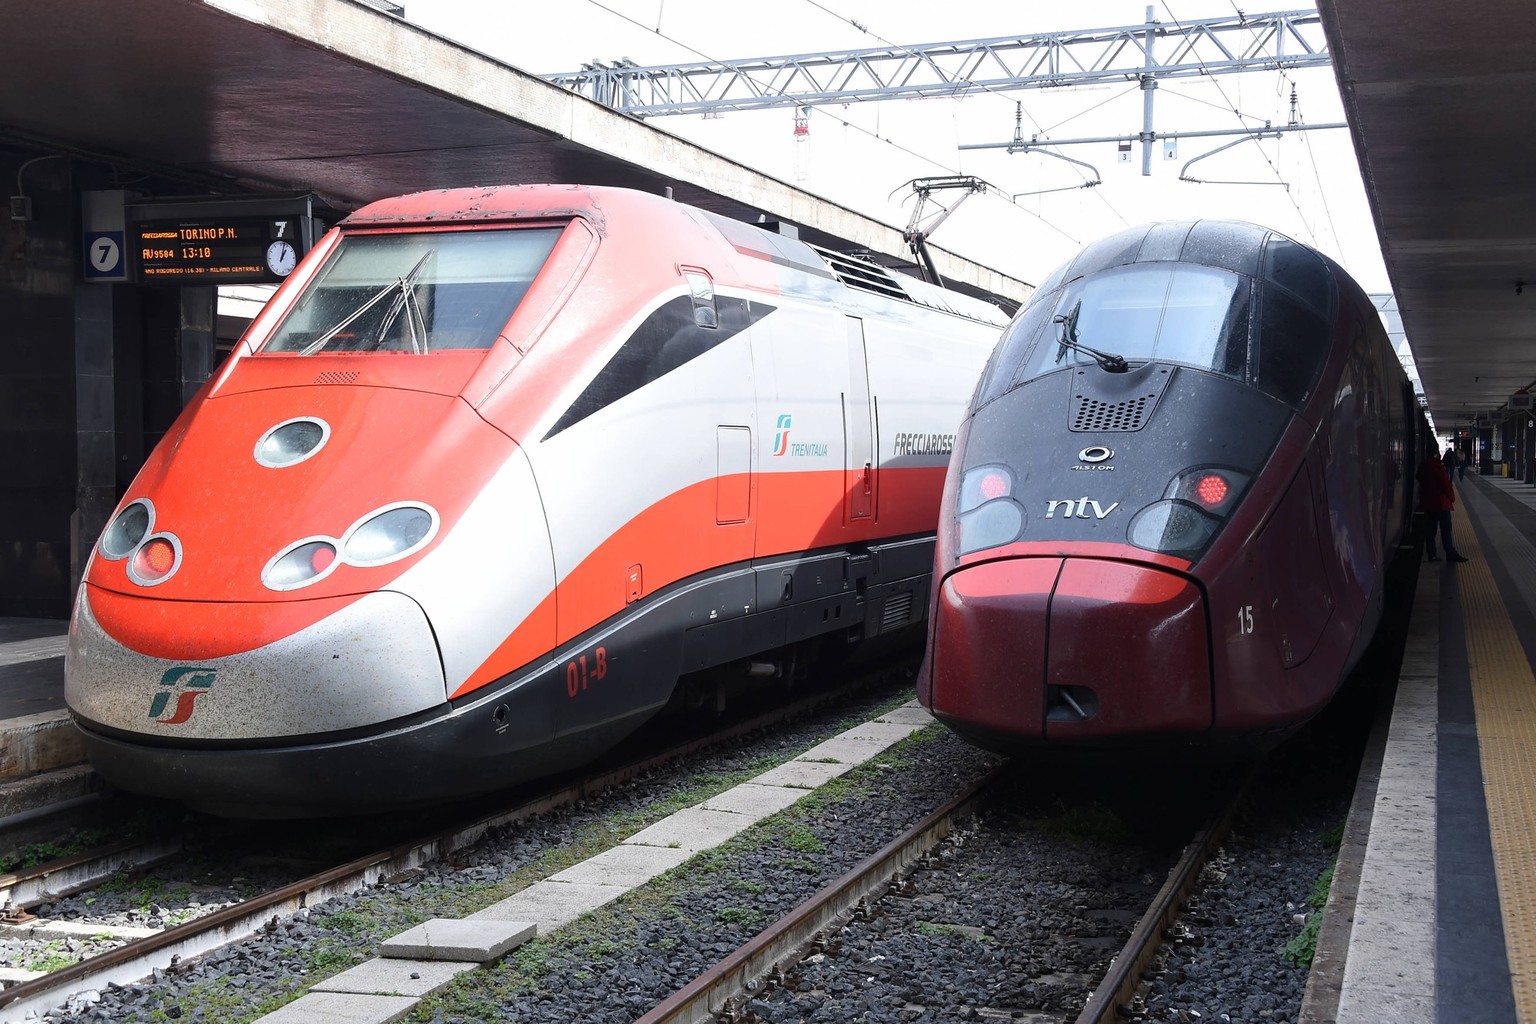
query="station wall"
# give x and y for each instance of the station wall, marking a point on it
(90, 376)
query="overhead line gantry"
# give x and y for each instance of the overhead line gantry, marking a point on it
(1209, 46)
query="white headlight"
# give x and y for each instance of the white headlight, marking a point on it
(388, 534)
(291, 442)
(302, 564)
(127, 530)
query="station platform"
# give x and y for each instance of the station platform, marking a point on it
(42, 760)
(41, 757)
(31, 666)
(1432, 915)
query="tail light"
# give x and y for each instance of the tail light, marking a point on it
(986, 514)
(155, 560)
(1192, 510)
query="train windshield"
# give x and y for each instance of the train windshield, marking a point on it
(416, 293)
(1170, 312)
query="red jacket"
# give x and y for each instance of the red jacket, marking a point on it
(1436, 492)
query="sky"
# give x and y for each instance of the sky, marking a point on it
(863, 155)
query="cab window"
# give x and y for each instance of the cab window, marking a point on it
(1171, 312)
(415, 292)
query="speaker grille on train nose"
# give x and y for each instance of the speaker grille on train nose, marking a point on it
(1095, 415)
(337, 377)
(1116, 402)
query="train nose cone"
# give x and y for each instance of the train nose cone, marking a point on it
(1063, 649)
(366, 661)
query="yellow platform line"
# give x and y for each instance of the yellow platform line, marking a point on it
(1504, 695)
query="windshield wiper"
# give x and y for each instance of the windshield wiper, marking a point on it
(1107, 361)
(407, 301)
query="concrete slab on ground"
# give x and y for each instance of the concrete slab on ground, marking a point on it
(693, 829)
(624, 865)
(386, 977)
(445, 938)
(799, 774)
(551, 904)
(908, 714)
(342, 1008)
(754, 800)
(853, 750)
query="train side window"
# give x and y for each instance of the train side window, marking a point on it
(1300, 271)
(702, 290)
(1018, 340)
(1293, 344)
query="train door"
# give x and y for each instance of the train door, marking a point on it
(858, 432)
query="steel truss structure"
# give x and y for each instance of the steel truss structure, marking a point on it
(1209, 46)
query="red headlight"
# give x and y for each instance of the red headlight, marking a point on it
(1211, 490)
(154, 561)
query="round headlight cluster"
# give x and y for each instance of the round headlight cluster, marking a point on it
(384, 535)
(1192, 510)
(152, 557)
(986, 513)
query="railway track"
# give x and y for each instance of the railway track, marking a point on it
(141, 952)
(744, 984)
(1013, 902)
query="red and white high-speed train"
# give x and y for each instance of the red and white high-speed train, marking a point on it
(1173, 501)
(490, 471)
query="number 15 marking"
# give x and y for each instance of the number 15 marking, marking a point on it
(1245, 620)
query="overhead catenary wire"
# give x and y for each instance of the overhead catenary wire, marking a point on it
(1238, 114)
(988, 90)
(716, 60)
(923, 151)
(845, 122)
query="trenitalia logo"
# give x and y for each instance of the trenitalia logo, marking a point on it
(781, 438)
(186, 683)
(797, 450)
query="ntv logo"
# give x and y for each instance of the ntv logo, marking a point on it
(1077, 508)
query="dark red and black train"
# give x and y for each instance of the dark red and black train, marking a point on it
(1173, 499)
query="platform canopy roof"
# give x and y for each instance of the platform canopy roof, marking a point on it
(344, 99)
(1439, 98)
(341, 98)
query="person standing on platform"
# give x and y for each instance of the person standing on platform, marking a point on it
(1437, 497)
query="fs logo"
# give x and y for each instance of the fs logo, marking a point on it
(186, 683)
(781, 438)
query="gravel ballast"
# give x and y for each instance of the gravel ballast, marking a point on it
(951, 942)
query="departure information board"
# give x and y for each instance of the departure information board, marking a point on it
(213, 240)
(216, 250)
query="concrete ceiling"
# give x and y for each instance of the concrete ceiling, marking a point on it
(339, 98)
(1439, 98)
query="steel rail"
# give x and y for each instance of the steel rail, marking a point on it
(26, 888)
(1130, 964)
(707, 995)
